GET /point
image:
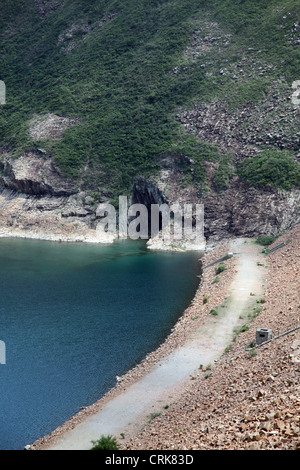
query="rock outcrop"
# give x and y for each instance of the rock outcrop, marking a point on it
(34, 175)
(36, 201)
(241, 210)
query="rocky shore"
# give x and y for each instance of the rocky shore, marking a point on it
(250, 399)
(191, 318)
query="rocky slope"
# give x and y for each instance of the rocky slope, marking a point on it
(250, 399)
(240, 210)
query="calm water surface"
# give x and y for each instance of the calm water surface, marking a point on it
(74, 316)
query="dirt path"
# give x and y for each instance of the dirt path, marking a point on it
(128, 412)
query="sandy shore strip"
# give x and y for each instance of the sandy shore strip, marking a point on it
(209, 295)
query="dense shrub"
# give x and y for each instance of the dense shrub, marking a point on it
(272, 169)
(221, 268)
(266, 240)
(105, 443)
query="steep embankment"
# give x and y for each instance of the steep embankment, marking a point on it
(250, 400)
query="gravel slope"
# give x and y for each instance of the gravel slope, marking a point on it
(250, 400)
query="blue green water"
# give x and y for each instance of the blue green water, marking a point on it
(74, 316)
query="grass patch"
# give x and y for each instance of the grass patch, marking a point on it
(252, 353)
(221, 268)
(214, 312)
(229, 348)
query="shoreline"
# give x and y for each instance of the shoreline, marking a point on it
(87, 237)
(193, 316)
(90, 236)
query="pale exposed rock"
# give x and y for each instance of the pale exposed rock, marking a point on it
(34, 174)
(49, 126)
(169, 244)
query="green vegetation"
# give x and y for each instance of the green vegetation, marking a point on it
(264, 25)
(251, 91)
(105, 443)
(244, 328)
(221, 268)
(111, 64)
(252, 353)
(271, 168)
(228, 348)
(225, 172)
(194, 172)
(266, 240)
(214, 312)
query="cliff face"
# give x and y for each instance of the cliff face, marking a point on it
(240, 210)
(36, 201)
(34, 175)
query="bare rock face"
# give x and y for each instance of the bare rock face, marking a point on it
(37, 202)
(43, 218)
(34, 175)
(241, 210)
(246, 211)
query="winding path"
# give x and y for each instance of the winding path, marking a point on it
(128, 412)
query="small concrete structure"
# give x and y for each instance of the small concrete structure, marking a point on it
(263, 335)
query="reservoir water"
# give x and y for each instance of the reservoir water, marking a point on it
(73, 317)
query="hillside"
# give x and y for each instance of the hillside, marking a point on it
(183, 95)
